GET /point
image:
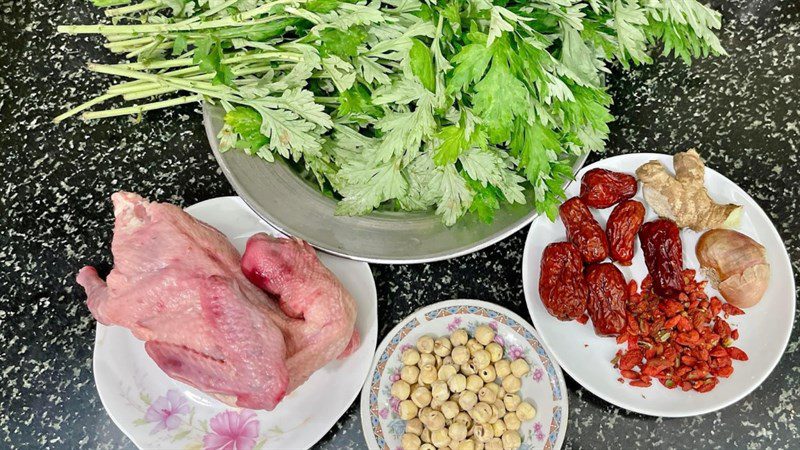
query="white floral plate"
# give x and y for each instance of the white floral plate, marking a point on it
(764, 329)
(543, 386)
(157, 412)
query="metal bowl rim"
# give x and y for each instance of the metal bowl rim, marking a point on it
(433, 257)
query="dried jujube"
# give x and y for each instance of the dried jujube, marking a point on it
(562, 287)
(663, 255)
(583, 230)
(601, 188)
(608, 294)
(621, 229)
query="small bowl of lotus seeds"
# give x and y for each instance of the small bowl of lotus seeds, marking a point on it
(464, 375)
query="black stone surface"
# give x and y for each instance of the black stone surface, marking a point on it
(741, 112)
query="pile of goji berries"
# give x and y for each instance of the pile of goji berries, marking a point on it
(681, 342)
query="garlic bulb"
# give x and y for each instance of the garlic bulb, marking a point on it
(736, 265)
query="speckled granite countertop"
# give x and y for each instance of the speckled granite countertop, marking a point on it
(742, 112)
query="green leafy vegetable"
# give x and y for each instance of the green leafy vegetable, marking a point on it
(455, 105)
(421, 61)
(246, 122)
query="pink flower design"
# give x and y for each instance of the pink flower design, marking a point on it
(231, 430)
(538, 374)
(515, 352)
(384, 413)
(165, 411)
(394, 403)
(452, 326)
(537, 430)
(493, 325)
(499, 339)
(405, 347)
(395, 376)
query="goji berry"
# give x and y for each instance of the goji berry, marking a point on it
(722, 328)
(684, 324)
(688, 360)
(708, 385)
(670, 324)
(684, 339)
(711, 339)
(737, 354)
(698, 319)
(701, 354)
(640, 383)
(718, 352)
(724, 372)
(715, 306)
(681, 340)
(696, 374)
(630, 359)
(629, 374)
(731, 310)
(633, 289)
(670, 307)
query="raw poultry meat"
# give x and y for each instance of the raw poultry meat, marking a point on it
(325, 313)
(177, 284)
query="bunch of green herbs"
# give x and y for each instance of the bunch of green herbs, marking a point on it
(456, 105)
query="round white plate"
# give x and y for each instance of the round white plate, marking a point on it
(133, 389)
(543, 386)
(764, 329)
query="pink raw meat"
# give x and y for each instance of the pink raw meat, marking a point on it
(177, 285)
(321, 312)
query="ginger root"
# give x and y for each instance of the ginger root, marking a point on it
(683, 198)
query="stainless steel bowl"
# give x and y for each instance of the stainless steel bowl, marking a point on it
(296, 207)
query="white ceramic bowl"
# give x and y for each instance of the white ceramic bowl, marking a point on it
(764, 330)
(158, 412)
(543, 386)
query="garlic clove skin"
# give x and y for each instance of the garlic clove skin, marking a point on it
(735, 264)
(729, 252)
(746, 289)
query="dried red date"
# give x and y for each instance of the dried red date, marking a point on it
(601, 188)
(621, 230)
(583, 230)
(608, 295)
(663, 255)
(562, 287)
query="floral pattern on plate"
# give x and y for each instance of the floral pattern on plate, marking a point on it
(172, 417)
(543, 385)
